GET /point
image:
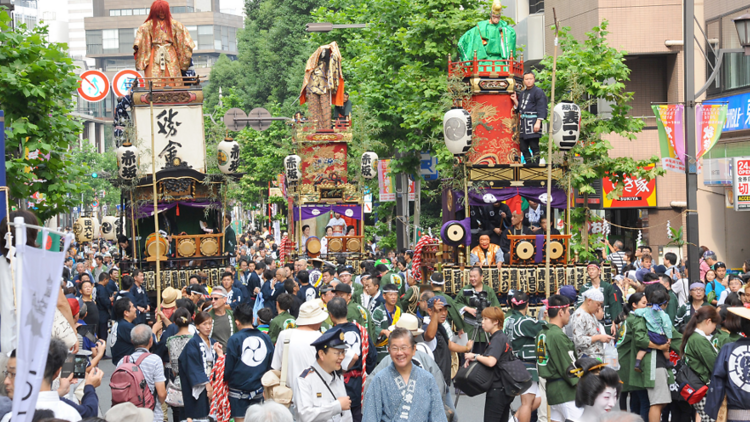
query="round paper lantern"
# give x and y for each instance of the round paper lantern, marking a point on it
(457, 131)
(127, 161)
(292, 167)
(567, 125)
(369, 165)
(228, 153)
(85, 228)
(109, 228)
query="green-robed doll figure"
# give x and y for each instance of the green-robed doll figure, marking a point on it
(492, 39)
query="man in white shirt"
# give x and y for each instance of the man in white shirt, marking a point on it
(47, 398)
(301, 353)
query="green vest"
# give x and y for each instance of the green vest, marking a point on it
(555, 352)
(281, 322)
(522, 331)
(700, 356)
(723, 337)
(462, 301)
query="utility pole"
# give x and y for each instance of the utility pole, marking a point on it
(691, 167)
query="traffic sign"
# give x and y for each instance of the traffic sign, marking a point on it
(94, 86)
(428, 166)
(95, 204)
(123, 80)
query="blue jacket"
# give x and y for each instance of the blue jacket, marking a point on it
(730, 369)
(89, 407)
(121, 338)
(270, 293)
(248, 357)
(103, 303)
(235, 297)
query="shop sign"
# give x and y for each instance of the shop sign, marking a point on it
(741, 183)
(636, 193)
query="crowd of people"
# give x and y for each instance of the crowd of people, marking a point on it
(377, 346)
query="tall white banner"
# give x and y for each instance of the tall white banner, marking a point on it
(39, 287)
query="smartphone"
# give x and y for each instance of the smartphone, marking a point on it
(76, 365)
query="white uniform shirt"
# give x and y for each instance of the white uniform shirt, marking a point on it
(315, 402)
(301, 354)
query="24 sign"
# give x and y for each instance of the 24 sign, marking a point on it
(741, 183)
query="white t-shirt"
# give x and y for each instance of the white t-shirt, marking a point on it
(49, 400)
(301, 354)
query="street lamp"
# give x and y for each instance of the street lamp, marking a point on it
(743, 31)
(328, 27)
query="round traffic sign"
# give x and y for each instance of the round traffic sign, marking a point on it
(94, 86)
(123, 80)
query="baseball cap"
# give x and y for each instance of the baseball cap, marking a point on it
(569, 292)
(343, 287)
(431, 302)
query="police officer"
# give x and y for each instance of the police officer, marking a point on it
(322, 394)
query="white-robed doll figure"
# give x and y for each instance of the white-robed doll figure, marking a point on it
(598, 390)
(195, 364)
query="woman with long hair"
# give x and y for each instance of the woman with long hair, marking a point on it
(698, 351)
(696, 301)
(497, 402)
(194, 365)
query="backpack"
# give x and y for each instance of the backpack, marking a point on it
(129, 385)
(516, 378)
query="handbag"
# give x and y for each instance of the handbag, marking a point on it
(474, 379)
(174, 395)
(516, 378)
(691, 387)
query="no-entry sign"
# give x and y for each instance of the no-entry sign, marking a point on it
(123, 80)
(94, 86)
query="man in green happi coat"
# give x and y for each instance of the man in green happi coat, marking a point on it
(492, 39)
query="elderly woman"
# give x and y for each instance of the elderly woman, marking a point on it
(588, 336)
(696, 300)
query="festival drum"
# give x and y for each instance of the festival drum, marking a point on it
(186, 248)
(151, 245)
(312, 246)
(209, 246)
(335, 244)
(353, 245)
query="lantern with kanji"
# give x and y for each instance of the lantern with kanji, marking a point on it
(228, 152)
(85, 229)
(127, 161)
(292, 166)
(108, 228)
(369, 165)
(457, 131)
(567, 125)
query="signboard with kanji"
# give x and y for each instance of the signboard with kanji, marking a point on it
(178, 140)
(741, 183)
(387, 185)
(636, 193)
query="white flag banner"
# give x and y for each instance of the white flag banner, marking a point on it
(277, 231)
(39, 288)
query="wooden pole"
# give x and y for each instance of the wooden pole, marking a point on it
(550, 221)
(155, 198)
(466, 207)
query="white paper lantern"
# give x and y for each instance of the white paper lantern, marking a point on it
(567, 125)
(292, 168)
(108, 228)
(457, 131)
(127, 161)
(369, 165)
(228, 152)
(85, 229)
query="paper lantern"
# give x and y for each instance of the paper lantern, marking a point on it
(457, 131)
(567, 125)
(228, 153)
(85, 228)
(292, 166)
(109, 228)
(369, 165)
(127, 161)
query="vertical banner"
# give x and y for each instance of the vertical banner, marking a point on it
(669, 119)
(385, 181)
(709, 121)
(2, 164)
(39, 287)
(741, 183)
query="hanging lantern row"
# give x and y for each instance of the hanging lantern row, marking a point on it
(86, 229)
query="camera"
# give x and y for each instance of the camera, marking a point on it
(479, 301)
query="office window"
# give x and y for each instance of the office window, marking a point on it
(110, 41)
(127, 38)
(193, 30)
(127, 12)
(94, 42)
(205, 37)
(114, 12)
(232, 39)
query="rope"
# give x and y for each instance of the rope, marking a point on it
(649, 227)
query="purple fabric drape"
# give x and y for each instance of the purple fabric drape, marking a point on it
(312, 211)
(490, 196)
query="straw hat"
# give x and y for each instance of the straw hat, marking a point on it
(740, 311)
(169, 297)
(409, 322)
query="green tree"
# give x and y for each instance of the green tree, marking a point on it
(105, 167)
(589, 71)
(37, 87)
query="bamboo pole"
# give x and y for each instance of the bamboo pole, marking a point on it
(155, 197)
(550, 221)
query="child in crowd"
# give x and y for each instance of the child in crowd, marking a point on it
(657, 323)
(264, 319)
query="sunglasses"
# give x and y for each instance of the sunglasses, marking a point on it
(214, 299)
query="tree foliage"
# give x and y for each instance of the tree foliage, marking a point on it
(90, 161)
(589, 71)
(37, 85)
